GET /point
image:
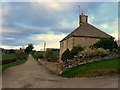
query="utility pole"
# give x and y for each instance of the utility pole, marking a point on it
(23, 47)
(44, 49)
(44, 46)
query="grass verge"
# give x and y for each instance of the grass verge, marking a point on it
(21, 60)
(99, 68)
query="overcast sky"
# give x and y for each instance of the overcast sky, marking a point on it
(39, 22)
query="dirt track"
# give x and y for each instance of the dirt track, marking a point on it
(33, 75)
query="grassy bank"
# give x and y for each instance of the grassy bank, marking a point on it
(21, 60)
(99, 68)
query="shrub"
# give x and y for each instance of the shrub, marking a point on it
(119, 48)
(38, 54)
(89, 53)
(102, 52)
(19, 53)
(75, 50)
(48, 54)
(66, 55)
(12, 51)
(106, 44)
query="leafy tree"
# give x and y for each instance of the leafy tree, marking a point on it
(38, 54)
(20, 48)
(66, 55)
(75, 50)
(118, 48)
(29, 48)
(12, 51)
(48, 54)
(106, 44)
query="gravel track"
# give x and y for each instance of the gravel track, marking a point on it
(33, 75)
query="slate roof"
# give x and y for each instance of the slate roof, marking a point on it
(87, 30)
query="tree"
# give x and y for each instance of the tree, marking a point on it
(20, 48)
(66, 55)
(29, 48)
(106, 44)
(48, 54)
(12, 51)
(75, 50)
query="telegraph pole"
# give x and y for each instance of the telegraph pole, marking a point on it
(44, 46)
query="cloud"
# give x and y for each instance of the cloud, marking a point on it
(10, 31)
(53, 5)
(66, 24)
(115, 35)
(52, 40)
(9, 47)
(104, 25)
(110, 28)
(39, 22)
(50, 37)
(60, 1)
(48, 45)
(8, 39)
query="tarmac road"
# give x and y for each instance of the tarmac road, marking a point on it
(33, 75)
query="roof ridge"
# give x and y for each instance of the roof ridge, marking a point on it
(89, 27)
(99, 29)
(70, 33)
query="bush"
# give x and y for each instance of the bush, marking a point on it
(38, 54)
(66, 55)
(106, 44)
(119, 48)
(89, 53)
(19, 53)
(102, 52)
(48, 54)
(75, 50)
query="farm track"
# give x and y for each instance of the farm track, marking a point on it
(33, 75)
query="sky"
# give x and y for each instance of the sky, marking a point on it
(39, 22)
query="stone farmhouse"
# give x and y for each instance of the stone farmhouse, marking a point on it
(85, 35)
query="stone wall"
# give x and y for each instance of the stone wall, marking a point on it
(66, 44)
(76, 41)
(52, 66)
(84, 41)
(63, 46)
(58, 68)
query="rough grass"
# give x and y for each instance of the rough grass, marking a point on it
(21, 60)
(99, 68)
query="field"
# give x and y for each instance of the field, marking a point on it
(99, 68)
(7, 56)
(40, 54)
(21, 60)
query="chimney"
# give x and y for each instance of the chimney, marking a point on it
(83, 19)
